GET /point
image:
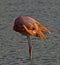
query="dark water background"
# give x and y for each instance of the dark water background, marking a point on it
(14, 47)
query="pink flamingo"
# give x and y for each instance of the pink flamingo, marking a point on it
(30, 27)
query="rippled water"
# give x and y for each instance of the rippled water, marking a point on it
(14, 47)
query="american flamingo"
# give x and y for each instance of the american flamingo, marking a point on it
(30, 27)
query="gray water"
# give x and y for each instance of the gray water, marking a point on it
(14, 46)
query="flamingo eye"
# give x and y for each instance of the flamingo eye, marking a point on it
(33, 28)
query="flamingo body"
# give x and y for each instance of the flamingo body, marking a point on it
(27, 25)
(30, 27)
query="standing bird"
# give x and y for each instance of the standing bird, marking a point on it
(30, 27)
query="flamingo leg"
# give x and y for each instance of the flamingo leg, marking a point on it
(30, 46)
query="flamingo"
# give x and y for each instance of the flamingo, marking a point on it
(30, 27)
